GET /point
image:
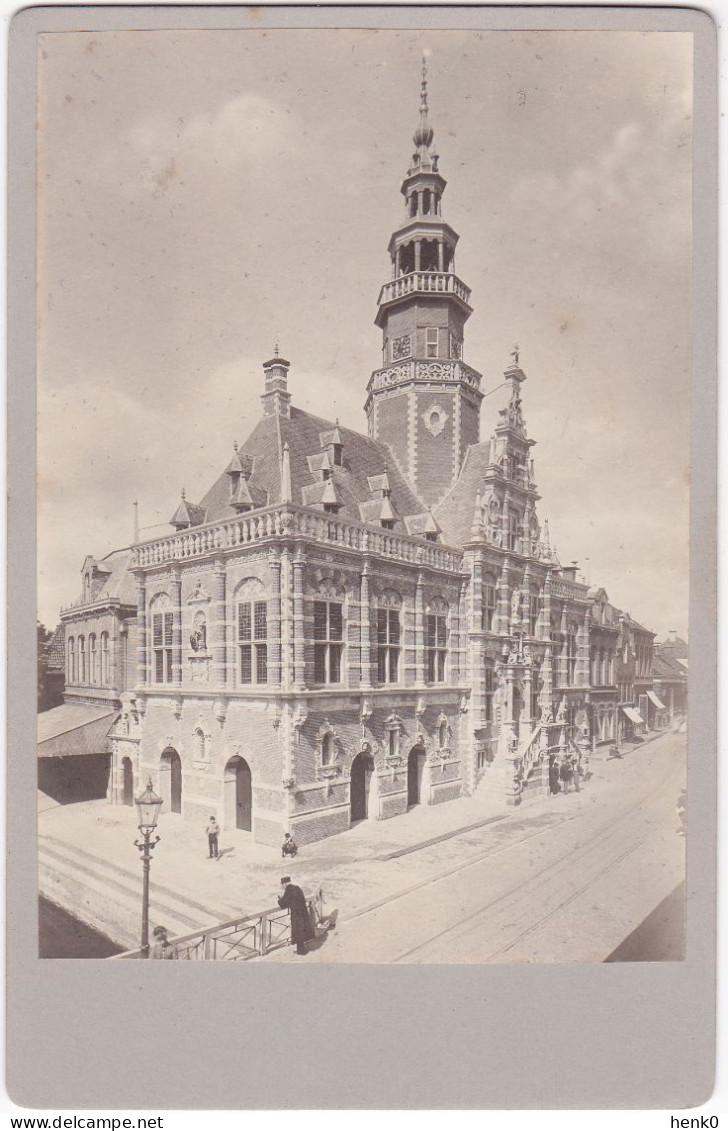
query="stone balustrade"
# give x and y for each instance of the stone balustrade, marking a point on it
(285, 521)
(442, 282)
(433, 370)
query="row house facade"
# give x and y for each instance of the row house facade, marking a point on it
(348, 625)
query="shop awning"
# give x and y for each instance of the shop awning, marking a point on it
(74, 728)
(653, 699)
(635, 716)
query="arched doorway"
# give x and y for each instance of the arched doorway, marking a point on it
(362, 769)
(128, 773)
(170, 780)
(238, 790)
(415, 770)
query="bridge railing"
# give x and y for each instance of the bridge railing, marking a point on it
(248, 936)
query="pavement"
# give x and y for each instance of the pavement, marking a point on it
(88, 862)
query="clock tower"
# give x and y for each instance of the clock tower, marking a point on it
(425, 401)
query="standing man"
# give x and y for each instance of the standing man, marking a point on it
(213, 832)
(293, 898)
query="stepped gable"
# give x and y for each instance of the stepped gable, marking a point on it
(454, 514)
(362, 459)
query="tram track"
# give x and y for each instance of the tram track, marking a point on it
(563, 864)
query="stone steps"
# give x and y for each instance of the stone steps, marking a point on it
(108, 897)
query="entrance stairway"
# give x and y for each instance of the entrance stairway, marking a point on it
(108, 897)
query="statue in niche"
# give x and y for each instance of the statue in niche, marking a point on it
(516, 604)
(198, 636)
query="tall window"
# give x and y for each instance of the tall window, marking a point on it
(162, 646)
(81, 660)
(489, 603)
(93, 659)
(105, 668)
(571, 654)
(431, 342)
(512, 529)
(71, 660)
(328, 631)
(436, 647)
(532, 612)
(388, 637)
(253, 641)
(489, 692)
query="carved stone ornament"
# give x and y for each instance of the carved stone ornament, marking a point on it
(435, 418)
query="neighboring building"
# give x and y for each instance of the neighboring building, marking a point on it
(346, 626)
(51, 668)
(670, 676)
(96, 640)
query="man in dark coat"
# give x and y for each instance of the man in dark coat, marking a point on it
(294, 899)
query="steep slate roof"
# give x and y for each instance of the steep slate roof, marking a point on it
(667, 667)
(56, 650)
(455, 513)
(676, 647)
(363, 458)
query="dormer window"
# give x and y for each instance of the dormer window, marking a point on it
(387, 524)
(331, 508)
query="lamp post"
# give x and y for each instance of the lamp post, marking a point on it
(148, 806)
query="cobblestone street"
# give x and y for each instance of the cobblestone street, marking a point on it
(379, 876)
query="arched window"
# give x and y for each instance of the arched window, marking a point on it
(105, 668)
(71, 662)
(198, 745)
(93, 675)
(81, 660)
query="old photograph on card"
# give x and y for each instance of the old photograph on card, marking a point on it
(364, 370)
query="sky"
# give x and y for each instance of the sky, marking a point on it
(204, 194)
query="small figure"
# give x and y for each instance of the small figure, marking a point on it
(553, 774)
(289, 846)
(213, 832)
(163, 948)
(293, 898)
(566, 773)
(576, 772)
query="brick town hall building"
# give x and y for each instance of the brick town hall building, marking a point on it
(345, 625)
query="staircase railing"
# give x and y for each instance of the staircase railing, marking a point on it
(247, 936)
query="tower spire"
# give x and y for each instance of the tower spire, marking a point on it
(424, 134)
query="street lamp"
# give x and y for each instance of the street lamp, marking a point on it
(148, 806)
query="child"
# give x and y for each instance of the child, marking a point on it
(289, 847)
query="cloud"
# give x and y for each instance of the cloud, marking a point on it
(248, 130)
(636, 187)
